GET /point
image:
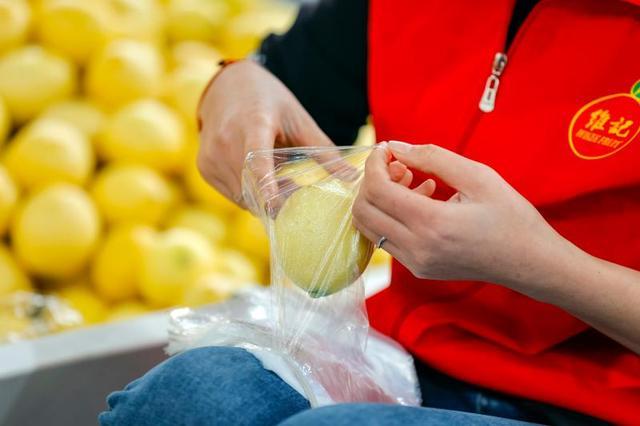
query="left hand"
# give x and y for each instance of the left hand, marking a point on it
(487, 231)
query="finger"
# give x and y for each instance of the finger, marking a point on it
(455, 170)
(395, 200)
(399, 173)
(426, 188)
(384, 226)
(259, 163)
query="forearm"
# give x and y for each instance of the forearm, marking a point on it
(602, 294)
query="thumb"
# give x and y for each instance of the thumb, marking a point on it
(453, 169)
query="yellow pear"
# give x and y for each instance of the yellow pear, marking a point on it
(124, 70)
(146, 132)
(75, 28)
(195, 19)
(8, 199)
(175, 260)
(114, 269)
(133, 193)
(202, 220)
(12, 278)
(82, 113)
(50, 150)
(15, 16)
(56, 231)
(32, 78)
(316, 245)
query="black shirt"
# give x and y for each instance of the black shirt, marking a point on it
(322, 59)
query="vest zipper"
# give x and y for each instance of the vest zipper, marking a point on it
(488, 100)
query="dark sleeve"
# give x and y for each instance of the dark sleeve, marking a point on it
(322, 60)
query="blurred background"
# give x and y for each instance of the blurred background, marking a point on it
(105, 221)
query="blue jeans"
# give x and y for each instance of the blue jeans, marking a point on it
(229, 386)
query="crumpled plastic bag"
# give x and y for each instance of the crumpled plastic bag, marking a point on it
(310, 326)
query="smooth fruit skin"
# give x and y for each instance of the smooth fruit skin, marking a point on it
(56, 230)
(133, 193)
(316, 245)
(47, 151)
(32, 78)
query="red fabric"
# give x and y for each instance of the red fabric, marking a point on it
(428, 63)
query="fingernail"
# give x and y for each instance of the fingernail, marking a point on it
(401, 147)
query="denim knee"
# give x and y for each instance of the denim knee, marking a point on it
(212, 385)
(391, 415)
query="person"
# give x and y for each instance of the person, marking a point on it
(511, 209)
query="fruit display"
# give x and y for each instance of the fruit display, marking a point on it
(103, 212)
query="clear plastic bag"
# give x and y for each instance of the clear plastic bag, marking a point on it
(25, 315)
(311, 325)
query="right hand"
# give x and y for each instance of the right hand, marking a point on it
(245, 109)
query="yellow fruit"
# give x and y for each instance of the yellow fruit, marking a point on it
(303, 172)
(234, 264)
(81, 298)
(32, 78)
(191, 52)
(199, 190)
(380, 257)
(126, 310)
(210, 288)
(137, 19)
(176, 259)
(316, 245)
(82, 113)
(15, 16)
(73, 27)
(114, 270)
(8, 199)
(366, 136)
(133, 193)
(14, 327)
(201, 220)
(56, 231)
(145, 132)
(248, 234)
(5, 121)
(47, 151)
(184, 88)
(243, 33)
(195, 19)
(12, 278)
(124, 70)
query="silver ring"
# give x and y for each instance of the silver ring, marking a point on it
(381, 241)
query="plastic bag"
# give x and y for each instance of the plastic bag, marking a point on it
(25, 315)
(310, 326)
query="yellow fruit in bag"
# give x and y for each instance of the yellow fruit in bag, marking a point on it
(32, 78)
(317, 246)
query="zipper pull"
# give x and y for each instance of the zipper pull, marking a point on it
(488, 100)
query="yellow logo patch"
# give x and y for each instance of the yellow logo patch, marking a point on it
(606, 125)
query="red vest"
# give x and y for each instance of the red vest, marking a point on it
(563, 133)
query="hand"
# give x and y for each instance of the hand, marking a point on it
(486, 231)
(245, 109)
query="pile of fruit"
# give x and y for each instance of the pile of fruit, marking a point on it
(102, 209)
